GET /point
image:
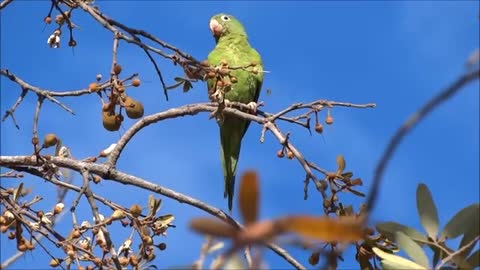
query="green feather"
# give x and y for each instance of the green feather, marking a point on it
(233, 47)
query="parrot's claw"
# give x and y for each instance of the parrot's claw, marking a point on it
(253, 107)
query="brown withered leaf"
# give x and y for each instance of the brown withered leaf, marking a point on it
(258, 232)
(340, 164)
(248, 197)
(212, 227)
(326, 229)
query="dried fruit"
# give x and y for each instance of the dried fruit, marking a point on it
(136, 82)
(211, 74)
(117, 69)
(110, 121)
(93, 87)
(280, 153)
(133, 108)
(319, 128)
(162, 246)
(329, 120)
(136, 210)
(49, 140)
(72, 43)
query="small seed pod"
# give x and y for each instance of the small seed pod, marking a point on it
(133, 260)
(255, 70)
(58, 208)
(123, 261)
(136, 82)
(55, 262)
(59, 19)
(117, 68)
(93, 87)
(219, 83)
(136, 210)
(133, 108)
(211, 74)
(290, 154)
(162, 246)
(314, 258)
(47, 20)
(35, 141)
(319, 128)
(233, 79)
(72, 43)
(280, 153)
(49, 140)
(329, 120)
(110, 121)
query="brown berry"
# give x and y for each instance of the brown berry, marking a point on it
(319, 128)
(49, 140)
(211, 74)
(35, 141)
(22, 247)
(47, 20)
(136, 210)
(110, 121)
(162, 246)
(117, 69)
(314, 258)
(280, 153)
(133, 108)
(93, 87)
(72, 43)
(136, 82)
(329, 120)
(290, 154)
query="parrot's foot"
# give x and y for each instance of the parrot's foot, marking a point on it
(253, 107)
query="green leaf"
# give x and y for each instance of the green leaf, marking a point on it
(390, 228)
(390, 261)
(179, 79)
(468, 237)
(427, 211)
(474, 259)
(412, 249)
(461, 222)
(437, 255)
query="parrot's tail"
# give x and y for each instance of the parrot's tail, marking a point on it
(231, 133)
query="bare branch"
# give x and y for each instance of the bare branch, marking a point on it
(408, 125)
(107, 172)
(5, 3)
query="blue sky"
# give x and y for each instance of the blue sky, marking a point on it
(396, 54)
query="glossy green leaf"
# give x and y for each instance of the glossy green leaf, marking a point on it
(427, 211)
(413, 250)
(461, 222)
(390, 228)
(390, 261)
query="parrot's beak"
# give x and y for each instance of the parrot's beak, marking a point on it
(215, 27)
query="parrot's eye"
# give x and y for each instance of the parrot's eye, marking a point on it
(225, 18)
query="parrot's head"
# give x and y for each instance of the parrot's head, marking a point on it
(226, 25)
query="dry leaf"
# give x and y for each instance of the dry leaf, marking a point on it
(343, 229)
(249, 196)
(212, 227)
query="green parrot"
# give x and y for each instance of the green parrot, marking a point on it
(232, 48)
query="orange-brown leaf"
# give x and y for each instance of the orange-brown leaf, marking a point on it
(258, 232)
(248, 197)
(212, 227)
(326, 229)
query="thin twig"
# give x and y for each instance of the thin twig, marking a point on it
(408, 125)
